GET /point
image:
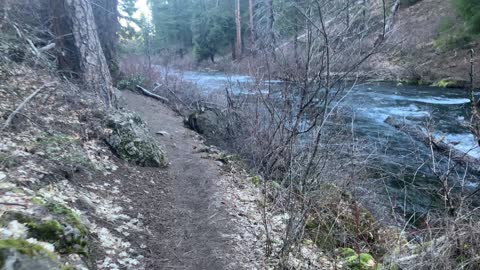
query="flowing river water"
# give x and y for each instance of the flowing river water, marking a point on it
(399, 159)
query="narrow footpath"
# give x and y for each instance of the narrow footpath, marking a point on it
(197, 215)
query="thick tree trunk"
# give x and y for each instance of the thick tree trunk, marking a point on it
(82, 53)
(106, 18)
(238, 43)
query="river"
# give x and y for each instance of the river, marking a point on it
(399, 158)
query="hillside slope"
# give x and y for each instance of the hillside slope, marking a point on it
(412, 51)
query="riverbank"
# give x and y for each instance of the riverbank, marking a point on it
(73, 199)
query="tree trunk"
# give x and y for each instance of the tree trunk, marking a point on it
(271, 20)
(81, 51)
(252, 28)
(5, 7)
(440, 146)
(106, 18)
(238, 43)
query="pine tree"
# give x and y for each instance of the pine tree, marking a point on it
(172, 20)
(213, 29)
(469, 10)
(128, 7)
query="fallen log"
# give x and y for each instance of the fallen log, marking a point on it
(439, 146)
(152, 95)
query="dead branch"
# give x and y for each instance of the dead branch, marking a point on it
(47, 47)
(13, 204)
(176, 96)
(20, 107)
(152, 95)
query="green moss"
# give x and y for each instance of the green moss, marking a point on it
(48, 231)
(364, 261)
(276, 185)
(131, 142)
(74, 236)
(26, 254)
(38, 200)
(348, 252)
(24, 247)
(66, 232)
(9, 216)
(256, 180)
(444, 83)
(66, 213)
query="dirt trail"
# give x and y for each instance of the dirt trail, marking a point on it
(188, 226)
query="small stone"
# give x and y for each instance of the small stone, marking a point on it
(2, 176)
(162, 133)
(85, 202)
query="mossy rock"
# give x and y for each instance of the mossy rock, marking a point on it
(213, 124)
(65, 230)
(450, 83)
(19, 254)
(206, 122)
(131, 142)
(354, 261)
(256, 180)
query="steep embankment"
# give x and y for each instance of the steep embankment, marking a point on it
(422, 46)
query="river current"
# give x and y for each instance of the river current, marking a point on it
(399, 155)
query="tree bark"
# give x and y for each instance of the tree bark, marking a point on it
(81, 50)
(271, 20)
(106, 18)
(238, 42)
(252, 27)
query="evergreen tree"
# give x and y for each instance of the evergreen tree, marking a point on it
(172, 20)
(213, 29)
(469, 10)
(128, 7)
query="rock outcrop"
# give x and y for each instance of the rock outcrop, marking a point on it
(130, 140)
(18, 254)
(213, 124)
